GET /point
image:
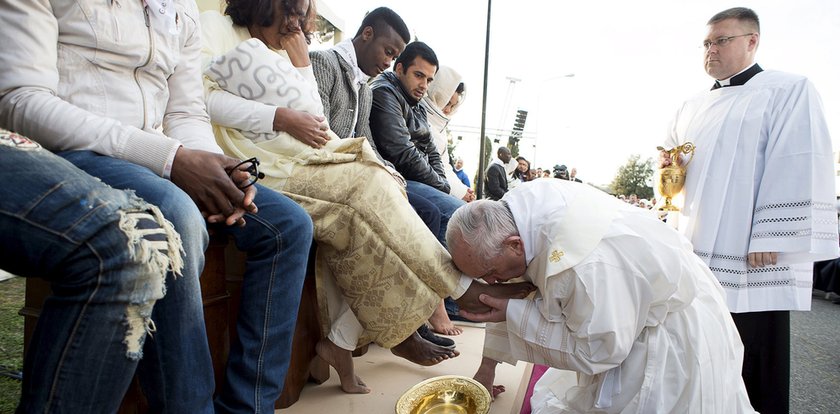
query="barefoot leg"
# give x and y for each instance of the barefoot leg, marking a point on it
(342, 361)
(441, 324)
(485, 374)
(422, 352)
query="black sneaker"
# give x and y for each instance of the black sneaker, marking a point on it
(428, 335)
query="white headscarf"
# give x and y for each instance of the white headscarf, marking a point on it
(440, 92)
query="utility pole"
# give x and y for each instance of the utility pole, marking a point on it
(479, 186)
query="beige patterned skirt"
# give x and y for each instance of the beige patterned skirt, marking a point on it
(390, 268)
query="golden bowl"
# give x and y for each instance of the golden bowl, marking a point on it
(448, 394)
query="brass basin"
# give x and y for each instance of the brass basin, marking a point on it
(448, 394)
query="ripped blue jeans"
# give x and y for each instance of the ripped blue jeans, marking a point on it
(176, 373)
(106, 254)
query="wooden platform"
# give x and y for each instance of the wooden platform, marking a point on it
(389, 377)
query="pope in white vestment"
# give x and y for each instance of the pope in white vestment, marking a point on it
(622, 300)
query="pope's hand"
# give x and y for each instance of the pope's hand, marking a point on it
(497, 313)
(469, 300)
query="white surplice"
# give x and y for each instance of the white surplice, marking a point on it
(762, 180)
(622, 300)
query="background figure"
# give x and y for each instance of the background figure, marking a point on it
(628, 306)
(495, 180)
(756, 225)
(520, 174)
(443, 98)
(459, 171)
(827, 279)
(573, 175)
(532, 175)
(106, 254)
(561, 172)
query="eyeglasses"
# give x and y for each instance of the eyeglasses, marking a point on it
(250, 165)
(722, 41)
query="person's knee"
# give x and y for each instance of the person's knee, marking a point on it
(280, 227)
(285, 219)
(301, 224)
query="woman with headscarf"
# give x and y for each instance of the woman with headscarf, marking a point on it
(443, 98)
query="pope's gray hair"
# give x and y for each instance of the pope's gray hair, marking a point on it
(482, 225)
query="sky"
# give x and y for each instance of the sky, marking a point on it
(633, 63)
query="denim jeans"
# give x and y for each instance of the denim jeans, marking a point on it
(428, 211)
(277, 241)
(98, 247)
(446, 203)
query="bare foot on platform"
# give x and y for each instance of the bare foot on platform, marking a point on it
(486, 374)
(441, 324)
(422, 352)
(342, 361)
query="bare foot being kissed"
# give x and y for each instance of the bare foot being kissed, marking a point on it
(342, 361)
(441, 324)
(469, 300)
(422, 352)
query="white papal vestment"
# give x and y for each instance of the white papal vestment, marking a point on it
(622, 300)
(762, 180)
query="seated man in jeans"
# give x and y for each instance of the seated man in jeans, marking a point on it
(106, 253)
(403, 135)
(116, 89)
(401, 130)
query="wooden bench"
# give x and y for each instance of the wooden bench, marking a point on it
(221, 284)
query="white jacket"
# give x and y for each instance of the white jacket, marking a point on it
(95, 75)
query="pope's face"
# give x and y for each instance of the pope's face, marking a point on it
(508, 265)
(724, 61)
